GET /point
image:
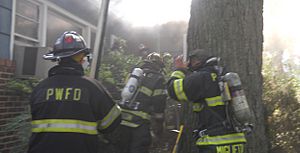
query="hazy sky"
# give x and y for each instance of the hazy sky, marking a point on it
(152, 12)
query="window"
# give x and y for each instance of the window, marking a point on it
(57, 24)
(27, 21)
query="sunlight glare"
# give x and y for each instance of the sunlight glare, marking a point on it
(153, 12)
(281, 20)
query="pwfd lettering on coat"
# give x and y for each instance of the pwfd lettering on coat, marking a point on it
(61, 94)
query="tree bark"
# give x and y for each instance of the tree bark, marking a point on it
(232, 30)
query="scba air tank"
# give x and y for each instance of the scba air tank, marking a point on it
(238, 99)
(131, 86)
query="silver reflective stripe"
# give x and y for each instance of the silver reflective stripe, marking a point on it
(146, 90)
(141, 114)
(178, 87)
(214, 101)
(223, 139)
(178, 74)
(114, 113)
(159, 92)
(126, 123)
(197, 107)
(158, 115)
(62, 125)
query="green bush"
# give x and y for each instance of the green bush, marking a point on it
(22, 86)
(22, 127)
(281, 97)
(115, 67)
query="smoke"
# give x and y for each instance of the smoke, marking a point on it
(158, 24)
(281, 30)
(151, 12)
(167, 37)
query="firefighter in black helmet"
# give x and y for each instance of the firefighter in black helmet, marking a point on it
(68, 109)
(148, 107)
(213, 132)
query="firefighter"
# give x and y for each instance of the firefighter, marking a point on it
(68, 109)
(148, 107)
(213, 132)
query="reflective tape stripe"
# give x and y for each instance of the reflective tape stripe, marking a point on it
(126, 123)
(65, 121)
(214, 101)
(220, 140)
(178, 87)
(146, 91)
(141, 114)
(149, 92)
(158, 115)
(127, 116)
(159, 92)
(197, 107)
(64, 125)
(178, 74)
(114, 113)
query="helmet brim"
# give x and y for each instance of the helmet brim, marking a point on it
(64, 54)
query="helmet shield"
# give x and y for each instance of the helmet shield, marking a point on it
(68, 44)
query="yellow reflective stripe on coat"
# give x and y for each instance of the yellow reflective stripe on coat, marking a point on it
(197, 107)
(114, 113)
(221, 140)
(146, 90)
(214, 101)
(141, 114)
(158, 115)
(64, 125)
(178, 87)
(127, 116)
(159, 92)
(149, 92)
(178, 74)
(130, 124)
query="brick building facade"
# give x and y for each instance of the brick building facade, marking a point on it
(14, 114)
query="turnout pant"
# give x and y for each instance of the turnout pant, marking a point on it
(134, 140)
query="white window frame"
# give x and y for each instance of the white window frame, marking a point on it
(44, 6)
(38, 22)
(86, 26)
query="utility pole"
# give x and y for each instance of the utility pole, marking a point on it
(99, 42)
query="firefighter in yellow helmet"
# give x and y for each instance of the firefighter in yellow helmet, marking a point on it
(146, 106)
(68, 109)
(213, 132)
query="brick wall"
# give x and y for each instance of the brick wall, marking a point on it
(14, 116)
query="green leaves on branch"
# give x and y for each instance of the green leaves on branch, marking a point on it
(281, 97)
(22, 86)
(116, 65)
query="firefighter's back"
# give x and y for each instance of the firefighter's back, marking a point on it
(67, 108)
(62, 117)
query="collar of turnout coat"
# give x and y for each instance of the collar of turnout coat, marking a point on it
(66, 68)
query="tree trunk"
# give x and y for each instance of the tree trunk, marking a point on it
(232, 30)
